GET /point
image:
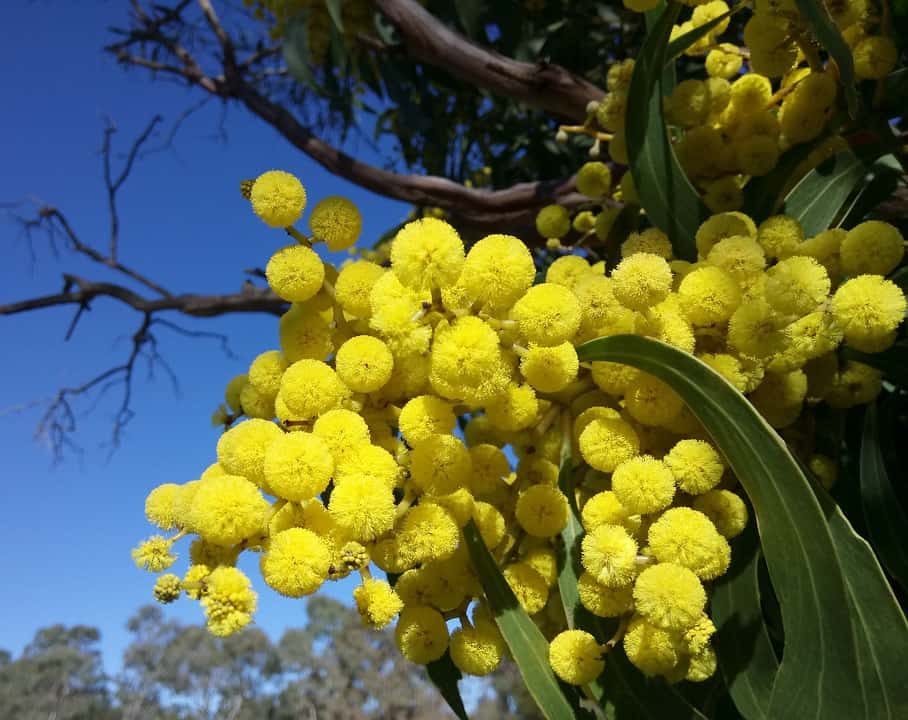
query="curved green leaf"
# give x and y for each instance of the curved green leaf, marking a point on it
(334, 10)
(828, 35)
(295, 49)
(886, 521)
(444, 675)
(527, 645)
(670, 201)
(682, 42)
(762, 194)
(883, 179)
(824, 670)
(746, 657)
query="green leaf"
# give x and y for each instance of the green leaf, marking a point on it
(893, 362)
(527, 645)
(670, 201)
(444, 675)
(334, 10)
(883, 179)
(762, 194)
(887, 524)
(295, 49)
(821, 673)
(828, 35)
(677, 46)
(746, 656)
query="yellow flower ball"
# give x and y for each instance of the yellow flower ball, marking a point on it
(856, 384)
(367, 461)
(669, 596)
(477, 650)
(427, 253)
(498, 270)
(515, 409)
(872, 248)
(377, 603)
(650, 401)
(265, 372)
(642, 280)
(686, 537)
(725, 509)
(797, 285)
(228, 601)
(154, 554)
(256, 405)
(568, 270)
(337, 222)
(708, 295)
(542, 510)
(542, 559)
(751, 92)
(425, 416)
(874, 57)
(613, 378)
(364, 363)
(233, 390)
(310, 388)
(305, 334)
(490, 468)
(553, 221)
(162, 508)
(167, 588)
(740, 256)
(295, 563)
(528, 586)
(421, 634)
(228, 509)
(609, 554)
(363, 507)
(354, 285)
(652, 240)
(278, 198)
(295, 273)
(342, 431)
(298, 466)
(440, 465)
(547, 314)
(643, 485)
(576, 657)
(594, 179)
(241, 450)
(606, 442)
(696, 466)
(428, 532)
(604, 601)
(604, 508)
(723, 62)
(652, 650)
(780, 235)
(467, 363)
(869, 308)
(721, 226)
(550, 369)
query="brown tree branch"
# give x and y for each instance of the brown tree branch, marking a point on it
(548, 87)
(477, 207)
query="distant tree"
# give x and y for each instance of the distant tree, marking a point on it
(59, 675)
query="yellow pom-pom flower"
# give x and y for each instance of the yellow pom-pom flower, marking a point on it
(669, 596)
(652, 650)
(425, 416)
(528, 586)
(652, 240)
(233, 390)
(421, 634)
(696, 466)
(515, 409)
(298, 466)
(550, 369)
(241, 450)
(725, 509)
(856, 384)
(547, 314)
(607, 442)
(594, 179)
(228, 601)
(643, 484)
(295, 563)
(869, 308)
(440, 465)
(498, 270)
(342, 431)
(604, 601)
(780, 235)
(295, 273)
(604, 508)
(477, 650)
(467, 362)
(542, 510)
(568, 270)
(642, 280)
(364, 363)
(428, 532)
(708, 295)
(874, 57)
(609, 554)
(167, 588)
(797, 285)
(553, 221)
(154, 554)
(337, 222)
(310, 388)
(377, 603)
(304, 334)
(354, 285)
(265, 372)
(278, 198)
(427, 253)
(161, 506)
(650, 401)
(872, 248)
(363, 507)
(686, 537)
(228, 509)
(576, 657)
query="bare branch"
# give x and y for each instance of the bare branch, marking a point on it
(548, 87)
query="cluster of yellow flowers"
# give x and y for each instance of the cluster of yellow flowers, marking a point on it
(356, 18)
(406, 401)
(735, 123)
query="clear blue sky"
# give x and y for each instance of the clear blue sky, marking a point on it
(69, 529)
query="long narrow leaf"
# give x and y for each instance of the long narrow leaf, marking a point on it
(820, 675)
(527, 645)
(444, 675)
(886, 521)
(670, 201)
(746, 656)
(816, 15)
